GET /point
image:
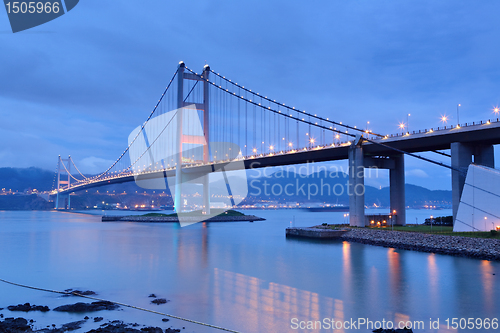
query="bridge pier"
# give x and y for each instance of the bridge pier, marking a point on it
(397, 189)
(63, 201)
(462, 155)
(356, 186)
(357, 164)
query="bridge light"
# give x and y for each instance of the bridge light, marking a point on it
(444, 118)
(496, 110)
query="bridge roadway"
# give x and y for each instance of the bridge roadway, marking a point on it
(481, 134)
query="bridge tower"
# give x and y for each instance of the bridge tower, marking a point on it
(63, 181)
(191, 139)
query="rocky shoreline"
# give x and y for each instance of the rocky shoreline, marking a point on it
(479, 248)
(22, 325)
(12, 324)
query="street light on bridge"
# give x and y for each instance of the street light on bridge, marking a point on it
(408, 123)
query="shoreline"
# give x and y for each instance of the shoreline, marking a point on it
(477, 248)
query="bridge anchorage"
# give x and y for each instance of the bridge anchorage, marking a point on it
(205, 125)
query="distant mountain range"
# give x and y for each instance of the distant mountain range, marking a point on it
(324, 187)
(21, 179)
(319, 187)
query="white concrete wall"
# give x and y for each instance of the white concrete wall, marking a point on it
(479, 208)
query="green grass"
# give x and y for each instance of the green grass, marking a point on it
(198, 213)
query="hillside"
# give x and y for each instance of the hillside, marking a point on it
(20, 179)
(320, 187)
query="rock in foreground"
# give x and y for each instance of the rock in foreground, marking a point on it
(11, 325)
(27, 307)
(87, 307)
(159, 301)
(123, 328)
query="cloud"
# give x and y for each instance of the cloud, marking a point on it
(416, 173)
(93, 165)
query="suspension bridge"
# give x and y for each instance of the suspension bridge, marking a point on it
(206, 123)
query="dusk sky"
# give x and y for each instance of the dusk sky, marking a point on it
(80, 84)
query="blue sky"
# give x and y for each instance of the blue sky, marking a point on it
(79, 84)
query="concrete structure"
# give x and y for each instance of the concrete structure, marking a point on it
(314, 232)
(479, 208)
(397, 190)
(356, 186)
(461, 157)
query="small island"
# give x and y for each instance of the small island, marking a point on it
(217, 215)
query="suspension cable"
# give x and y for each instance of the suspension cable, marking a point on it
(185, 99)
(84, 178)
(152, 143)
(142, 127)
(64, 166)
(289, 107)
(322, 126)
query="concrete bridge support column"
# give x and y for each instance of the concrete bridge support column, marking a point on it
(484, 155)
(356, 186)
(206, 194)
(397, 189)
(63, 201)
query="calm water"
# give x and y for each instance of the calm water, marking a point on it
(243, 276)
